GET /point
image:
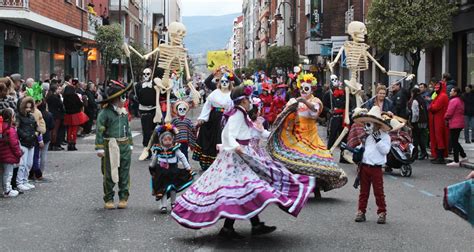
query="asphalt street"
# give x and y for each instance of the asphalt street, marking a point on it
(67, 214)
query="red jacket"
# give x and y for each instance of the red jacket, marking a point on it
(10, 152)
(267, 104)
(439, 133)
(455, 113)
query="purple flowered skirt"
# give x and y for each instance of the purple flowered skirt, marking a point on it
(240, 187)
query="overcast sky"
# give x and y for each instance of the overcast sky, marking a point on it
(211, 7)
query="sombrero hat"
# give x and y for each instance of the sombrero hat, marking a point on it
(359, 111)
(266, 87)
(396, 125)
(388, 116)
(373, 116)
(116, 89)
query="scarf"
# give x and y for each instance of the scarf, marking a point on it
(231, 112)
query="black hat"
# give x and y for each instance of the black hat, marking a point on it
(115, 89)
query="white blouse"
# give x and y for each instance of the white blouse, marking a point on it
(304, 111)
(235, 128)
(216, 99)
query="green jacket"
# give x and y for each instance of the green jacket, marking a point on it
(111, 125)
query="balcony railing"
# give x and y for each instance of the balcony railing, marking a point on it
(93, 23)
(14, 4)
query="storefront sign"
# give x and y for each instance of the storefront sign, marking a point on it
(316, 32)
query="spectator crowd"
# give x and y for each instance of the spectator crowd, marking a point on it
(38, 117)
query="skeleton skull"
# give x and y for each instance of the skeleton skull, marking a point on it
(177, 32)
(181, 109)
(146, 74)
(357, 30)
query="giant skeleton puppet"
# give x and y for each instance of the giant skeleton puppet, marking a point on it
(173, 57)
(357, 59)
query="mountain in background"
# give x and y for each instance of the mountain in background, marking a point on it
(208, 32)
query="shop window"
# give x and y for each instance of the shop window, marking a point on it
(45, 65)
(470, 58)
(28, 63)
(59, 65)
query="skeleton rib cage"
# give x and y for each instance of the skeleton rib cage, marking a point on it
(356, 56)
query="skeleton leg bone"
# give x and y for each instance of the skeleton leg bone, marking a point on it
(145, 151)
(158, 114)
(339, 139)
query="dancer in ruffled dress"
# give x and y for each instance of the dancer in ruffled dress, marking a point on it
(295, 141)
(209, 123)
(240, 183)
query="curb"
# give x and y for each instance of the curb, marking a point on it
(468, 165)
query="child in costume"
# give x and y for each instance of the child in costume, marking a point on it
(240, 183)
(168, 179)
(114, 144)
(186, 136)
(377, 146)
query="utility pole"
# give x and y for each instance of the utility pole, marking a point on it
(120, 22)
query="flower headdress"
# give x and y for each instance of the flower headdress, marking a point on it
(35, 92)
(306, 78)
(168, 127)
(248, 83)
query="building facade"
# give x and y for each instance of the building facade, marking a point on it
(164, 12)
(38, 38)
(237, 42)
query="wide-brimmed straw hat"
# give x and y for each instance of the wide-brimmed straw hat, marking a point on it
(396, 124)
(373, 116)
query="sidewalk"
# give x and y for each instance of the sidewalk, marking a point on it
(469, 149)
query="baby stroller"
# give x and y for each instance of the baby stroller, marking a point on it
(401, 154)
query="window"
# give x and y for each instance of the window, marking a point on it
(470, 58)
(80, 4)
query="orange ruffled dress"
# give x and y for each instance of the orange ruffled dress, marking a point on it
(295, 142)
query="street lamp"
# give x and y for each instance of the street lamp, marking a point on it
(279, 17)
(292, 26)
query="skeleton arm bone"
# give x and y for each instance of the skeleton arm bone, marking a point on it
(136, 52)
(376, 62)
(331, 64)
(148, 55)
(194, 93)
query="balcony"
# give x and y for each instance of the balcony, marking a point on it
(20, 4)
(93, 22)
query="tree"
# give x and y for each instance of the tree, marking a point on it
(109, 40)
(138, 64)
(257, 65)
(282, 56)
(408, 27)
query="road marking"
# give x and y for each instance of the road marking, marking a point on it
(427, 193)
(92, 137)
(408, 184)
(392, 177)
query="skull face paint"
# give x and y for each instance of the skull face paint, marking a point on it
(335, 81)
(147, 75)
(181, 109)
(224, 83)
(305, 89)
(369, 128)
